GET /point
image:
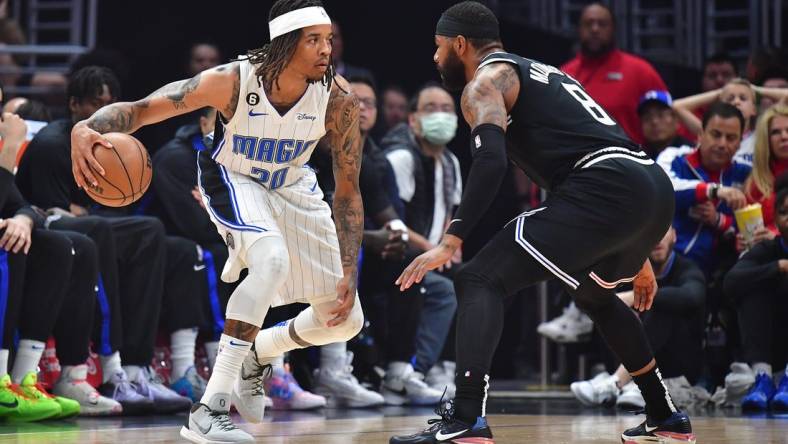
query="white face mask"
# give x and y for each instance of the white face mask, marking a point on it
(438, 128)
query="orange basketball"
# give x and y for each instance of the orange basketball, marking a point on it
(128, 171)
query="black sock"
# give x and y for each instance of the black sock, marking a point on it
(659, 405)
(471, 398)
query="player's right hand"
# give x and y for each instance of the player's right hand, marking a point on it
(83, 138)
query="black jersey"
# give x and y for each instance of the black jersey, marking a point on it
(554, 122)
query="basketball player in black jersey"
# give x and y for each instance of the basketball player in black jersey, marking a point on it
(608, 205)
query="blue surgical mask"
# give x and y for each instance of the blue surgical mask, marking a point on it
(438, 128)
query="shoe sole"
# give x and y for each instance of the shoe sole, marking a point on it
(48, 415)
(334, 402)
(660, 438)
(100, 412)
(194, 437)
(473, 441)
(393, 399)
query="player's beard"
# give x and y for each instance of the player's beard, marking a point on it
(453, 72)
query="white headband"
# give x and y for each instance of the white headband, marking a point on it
(300, 18)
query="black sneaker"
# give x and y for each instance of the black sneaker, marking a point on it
(676, 429)
(449, 429)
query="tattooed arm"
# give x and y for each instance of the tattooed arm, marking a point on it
(343, 138)
(484, 103)
(217, 87)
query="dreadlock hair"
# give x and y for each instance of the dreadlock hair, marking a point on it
(273, 57)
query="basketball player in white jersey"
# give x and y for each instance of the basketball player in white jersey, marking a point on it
(275, 105)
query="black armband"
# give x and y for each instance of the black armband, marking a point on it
(488, 148)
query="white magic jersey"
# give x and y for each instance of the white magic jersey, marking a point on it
(269, 147)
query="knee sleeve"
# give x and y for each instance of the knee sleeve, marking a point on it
(269, 266)
(310, 325)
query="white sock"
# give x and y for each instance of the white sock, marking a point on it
(278, 362)
(28, 354)
(3, 362)
(232, 352)
(182, 343)
(110, 365)
(211, 348)
(762, 367)
(332, 356)
(132, 371)
(275, 341)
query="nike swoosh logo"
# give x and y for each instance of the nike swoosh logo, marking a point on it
(10, 405)
(651, 429)
(254, 114)
(36, 348)
(454, 220)
(204, 431)
(441, 437)
(199, 267)
(235, 343)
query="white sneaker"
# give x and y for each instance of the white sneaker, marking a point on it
(341, 389)
(442, 379)
(91, 403)
(572, 326)
(630, 398)
(601, 389)
(739, 381)
(165, 400)
(211, 423)
(248, 394)
(403, 385)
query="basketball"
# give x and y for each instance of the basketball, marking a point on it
(128, 171)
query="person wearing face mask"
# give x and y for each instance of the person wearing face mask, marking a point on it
(430, 186)
(428, 175)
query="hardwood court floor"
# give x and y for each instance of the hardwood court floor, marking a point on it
(362, 427)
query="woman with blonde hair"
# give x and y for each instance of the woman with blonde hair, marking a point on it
(770, 160)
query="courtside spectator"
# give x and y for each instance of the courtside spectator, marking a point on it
(129, 302)
(659, 123)
(770, 161)
(758, 283)
(707, 182)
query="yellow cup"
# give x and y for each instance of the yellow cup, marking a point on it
(749, 219)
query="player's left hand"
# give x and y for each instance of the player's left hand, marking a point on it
(346, 297)
(428, 261)
(645, 287)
